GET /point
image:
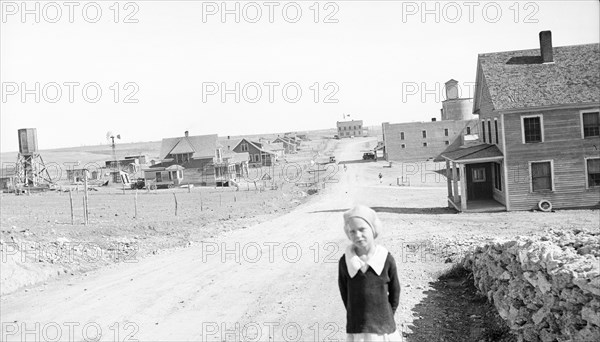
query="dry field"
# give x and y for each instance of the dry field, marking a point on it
(41, 240)
(276, 280)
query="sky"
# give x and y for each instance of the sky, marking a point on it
(153, 69)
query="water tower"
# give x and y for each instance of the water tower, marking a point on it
(456, 107)
(31, 170)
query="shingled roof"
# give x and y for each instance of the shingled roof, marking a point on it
(201, 146)
(519, 79)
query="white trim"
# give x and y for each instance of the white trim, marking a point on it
(585, 167)
(496, 175)
(591, 110)
(541, 116)
(551, 161)
(473, 175)
(547, 108)
(477, 160)
(505, 165)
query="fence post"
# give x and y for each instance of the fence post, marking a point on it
(135, 203)
(85, 197)
(174, 196)
(71, 201)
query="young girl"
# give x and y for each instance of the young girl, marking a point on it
(368, 280)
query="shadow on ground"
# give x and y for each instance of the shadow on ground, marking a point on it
(453, 311)
(357, 161)
(399, 210)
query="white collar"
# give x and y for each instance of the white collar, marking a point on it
(377, 261)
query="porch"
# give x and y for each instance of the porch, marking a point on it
(477, 206)
(474, 176)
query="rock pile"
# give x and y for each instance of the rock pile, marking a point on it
(546, 288)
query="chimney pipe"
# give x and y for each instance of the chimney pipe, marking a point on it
(187, 133)
(546, 47)
(433, 119)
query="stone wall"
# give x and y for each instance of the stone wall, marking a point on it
(546, 288)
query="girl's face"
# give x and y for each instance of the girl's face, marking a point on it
(360, 233)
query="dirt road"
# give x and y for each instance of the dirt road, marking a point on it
(274, 281)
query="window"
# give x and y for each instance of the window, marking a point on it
(354, 127)
(446, 142)
(257, 157)
(424, 134)
(541, 176)
(591, 124)
(403, 146)
(359, 126)
(424, 144)
(171, 175)
(468, 130)
(490, 131)
(445, 132)
(483, 130)
(401, 135)
(496, 129)
(532, 129)
(593, 172)
(478, 174)
(244, 147)
(159, 177)
(497, 176)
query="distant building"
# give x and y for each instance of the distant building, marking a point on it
(539, 118)
(197, 160)
(417, 141)
(352, 128)
(259, 154)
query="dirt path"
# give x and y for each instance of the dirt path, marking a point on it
(283, 282)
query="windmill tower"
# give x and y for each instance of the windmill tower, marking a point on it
(110, 137)
(31, 170)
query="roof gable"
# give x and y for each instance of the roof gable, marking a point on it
(203, 146)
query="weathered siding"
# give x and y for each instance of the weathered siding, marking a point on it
(565, 147)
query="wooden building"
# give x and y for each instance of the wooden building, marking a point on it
(539, 117)
(195, 160)
(259, 154)
(289, 145)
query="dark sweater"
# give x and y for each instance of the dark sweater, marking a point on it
(370, 300)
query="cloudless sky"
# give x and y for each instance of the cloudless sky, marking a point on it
(371, 59)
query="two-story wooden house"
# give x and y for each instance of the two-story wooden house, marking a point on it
(260, 154)
(539, 132)
(195, 160)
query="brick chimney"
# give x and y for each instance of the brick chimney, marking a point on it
(187, 133)
(546, 46)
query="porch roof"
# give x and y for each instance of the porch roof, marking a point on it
(483, 152)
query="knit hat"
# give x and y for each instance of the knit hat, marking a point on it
(366, 214)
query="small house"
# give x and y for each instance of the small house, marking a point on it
(259, 154)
